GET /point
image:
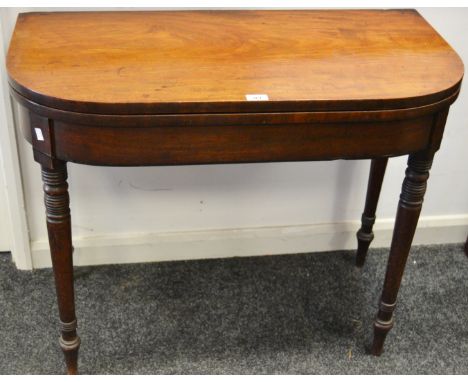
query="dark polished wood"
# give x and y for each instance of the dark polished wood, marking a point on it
(170, 88)
(207, 61)
(409, 208)
(60, 240)
(365, 234)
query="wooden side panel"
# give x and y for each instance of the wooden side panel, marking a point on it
(236, 144)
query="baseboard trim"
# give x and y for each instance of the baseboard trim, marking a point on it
(119, 249)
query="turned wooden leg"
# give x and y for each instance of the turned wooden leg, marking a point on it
(59, 228)
(365, 234)
(409, 208)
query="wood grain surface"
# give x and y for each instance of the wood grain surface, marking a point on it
(208, 61)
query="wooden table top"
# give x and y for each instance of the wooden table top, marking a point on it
(209, 61)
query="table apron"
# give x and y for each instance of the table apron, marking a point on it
(179, 145)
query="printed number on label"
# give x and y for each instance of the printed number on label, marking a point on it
(256, 97)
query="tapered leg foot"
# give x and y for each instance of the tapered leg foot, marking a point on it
(381, 327)
(380, 333)
(70, 351)
(409, 208)
(364, 237)
(365, 234)
(70, 344)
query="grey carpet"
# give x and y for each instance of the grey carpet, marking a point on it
(300, 314)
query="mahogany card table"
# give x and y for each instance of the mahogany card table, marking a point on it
(209, 87)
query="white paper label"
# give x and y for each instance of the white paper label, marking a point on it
(39, 135)
(256, 97)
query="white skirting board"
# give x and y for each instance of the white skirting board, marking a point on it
(118, 249)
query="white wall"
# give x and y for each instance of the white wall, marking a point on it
(142, 214)
(13, 211)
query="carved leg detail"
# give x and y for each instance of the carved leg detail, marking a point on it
(60, 241)
(409, 208)
(365, 234)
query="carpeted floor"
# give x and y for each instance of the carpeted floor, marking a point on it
(292, 314)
